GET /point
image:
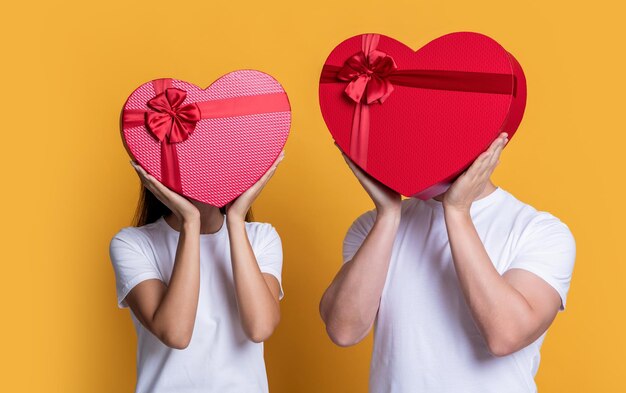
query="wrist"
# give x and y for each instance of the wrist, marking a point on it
(188, 215)
(388, 211)
(456, 212)
(190, 224)
(234, 220)
(391, 216)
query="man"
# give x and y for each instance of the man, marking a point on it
(460, 288)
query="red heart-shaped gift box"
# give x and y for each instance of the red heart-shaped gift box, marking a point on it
(207, 144)
(415, 120)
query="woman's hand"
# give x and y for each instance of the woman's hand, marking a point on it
(385, 199)
(178, 204)
(467, 187)
(169, 311)
(257, 293)
(237, 209)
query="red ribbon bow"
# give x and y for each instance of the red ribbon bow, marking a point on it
(368, 75)
(168, 119)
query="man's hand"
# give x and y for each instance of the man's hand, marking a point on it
(467, 187)
(385, 199)
(350, 304)
(510, 310)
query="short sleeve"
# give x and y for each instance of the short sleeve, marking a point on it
(548, 249)
(130, 263)
(268, 250)
(357, 233)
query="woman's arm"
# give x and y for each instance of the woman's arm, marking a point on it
(350, 304)
(257, 293)
(169, 312)
(512, 310)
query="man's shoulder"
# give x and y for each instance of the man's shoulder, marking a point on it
(367, 217)
(532, 220)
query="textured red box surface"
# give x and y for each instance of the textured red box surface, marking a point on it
(208, 144)
(415, 120)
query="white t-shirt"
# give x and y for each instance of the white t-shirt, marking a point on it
(220, 358)
(425, 339)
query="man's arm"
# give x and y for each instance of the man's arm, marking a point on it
(511, 310)
(350, 304)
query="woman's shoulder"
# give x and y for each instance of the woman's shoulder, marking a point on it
(260, 230)
(136, 234)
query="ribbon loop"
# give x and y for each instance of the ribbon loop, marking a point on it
(168, 118)
(368, 76)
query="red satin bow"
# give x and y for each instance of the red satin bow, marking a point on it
(368, 76)
(168, 119)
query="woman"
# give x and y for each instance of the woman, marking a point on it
(203, 285)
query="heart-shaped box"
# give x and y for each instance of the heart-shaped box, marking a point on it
(415, 120)
(207, 144)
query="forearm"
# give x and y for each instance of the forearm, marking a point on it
(259, 309)
(174, 318)
(350, 304)
(502, 314)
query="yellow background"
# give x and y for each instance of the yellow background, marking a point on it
(67, 186)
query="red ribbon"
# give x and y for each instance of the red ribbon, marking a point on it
(371, 75)
(169, 118)
(171, 122)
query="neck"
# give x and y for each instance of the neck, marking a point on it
(211, 218)
(489, 188)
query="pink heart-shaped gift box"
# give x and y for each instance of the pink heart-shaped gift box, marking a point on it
(415, 120)
(207, 144)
